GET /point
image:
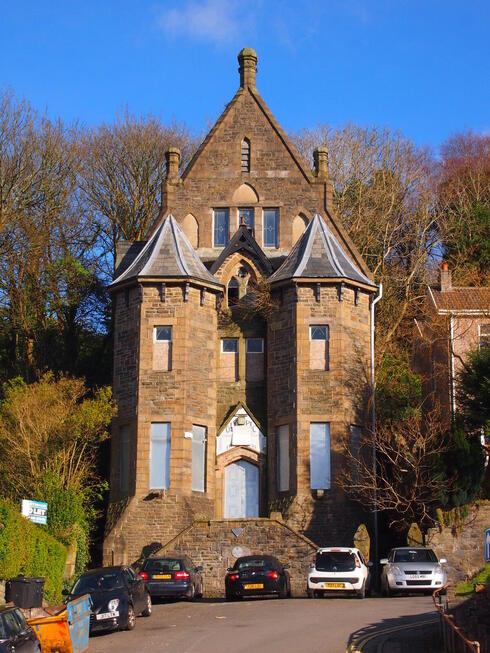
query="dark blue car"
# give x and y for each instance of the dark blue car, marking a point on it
(172, 577)
(15, 633)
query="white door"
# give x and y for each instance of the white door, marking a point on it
(241, 490)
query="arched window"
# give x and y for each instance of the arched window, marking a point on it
(245, 155)
(232, 292)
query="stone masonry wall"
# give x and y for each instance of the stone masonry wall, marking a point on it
(210, 544)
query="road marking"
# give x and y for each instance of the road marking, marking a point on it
(357, 647)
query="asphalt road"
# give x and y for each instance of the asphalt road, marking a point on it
(271, 625)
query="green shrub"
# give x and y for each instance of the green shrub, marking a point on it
(25, 548)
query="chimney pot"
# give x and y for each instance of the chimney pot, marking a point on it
(172, 158)
(247, 59)
(320, 162)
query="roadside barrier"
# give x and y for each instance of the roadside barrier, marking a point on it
(452, 636)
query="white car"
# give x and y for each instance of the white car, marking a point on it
(412, 569)
(338, 569)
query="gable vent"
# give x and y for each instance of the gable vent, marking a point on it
(245, 155)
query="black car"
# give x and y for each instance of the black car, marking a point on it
(255, 575)
(172, 576)
(118, 595)
(16, 634)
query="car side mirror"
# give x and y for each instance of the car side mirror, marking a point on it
(442, 561)
(65, 592)
(370, 564)
(230, 569)
(383, 561)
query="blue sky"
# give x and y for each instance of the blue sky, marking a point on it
(421, 66)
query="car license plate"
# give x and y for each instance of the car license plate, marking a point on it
(334, 586)
(254, 586)
(419, 578)
(162, 576)
(108, 615)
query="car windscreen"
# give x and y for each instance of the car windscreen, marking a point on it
(103, 582)
(4, 631)
(254, 563)
(163, 565)
(8, 626)
(335, 561)
(414, 555)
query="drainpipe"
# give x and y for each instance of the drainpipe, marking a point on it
(453, 389)
(373, 426)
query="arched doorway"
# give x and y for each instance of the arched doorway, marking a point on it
(241, 490)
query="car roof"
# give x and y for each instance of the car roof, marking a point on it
(339, 549)
(259, 555)
(411, 548)
(7, 608)
(101, 570)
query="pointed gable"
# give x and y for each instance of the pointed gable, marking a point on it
(243, 241)
(168, 254)
(319, 255)
(240, 429)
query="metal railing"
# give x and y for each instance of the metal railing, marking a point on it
(452, 636)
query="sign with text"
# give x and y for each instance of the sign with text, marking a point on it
(487, 545)
(36, 511)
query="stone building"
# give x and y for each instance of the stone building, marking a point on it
(242, 346)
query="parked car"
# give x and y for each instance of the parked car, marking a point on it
(16, 634)
(118, 595)
(172, 576)
(256, 575)
(412, 569)
(338, 569)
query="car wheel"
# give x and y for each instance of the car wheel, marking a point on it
(309, 593)
(317, 594)
(283, 591)
(147, 611)
(131, 620)
(360, 594)
(200, 593)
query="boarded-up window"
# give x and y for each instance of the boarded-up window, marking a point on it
(282, 444)
(319, 347)
(254, 362)
(162, 348)
(484, 333)
(320, 456)
(221, 232)
(245, 155)
(160, 456)
(355, 450)
(247, 216)
(229, 359)
(199, 458)
(271, 227)
(124, 458)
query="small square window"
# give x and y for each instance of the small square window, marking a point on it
(229, 345)
(319, 333)
(484, 335)
(255, 346)
(163, 333)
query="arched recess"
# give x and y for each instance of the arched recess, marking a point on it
(191, 229)
(245, 194)
(300, 223)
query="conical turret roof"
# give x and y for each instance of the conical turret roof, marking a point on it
(168, 254)
(318, 254)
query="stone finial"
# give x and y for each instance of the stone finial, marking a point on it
(172, 158)
(446, 277)
(320, 162)
(247, 58)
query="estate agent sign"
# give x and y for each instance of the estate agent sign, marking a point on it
(36, 511)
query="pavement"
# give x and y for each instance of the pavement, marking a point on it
(330, 625)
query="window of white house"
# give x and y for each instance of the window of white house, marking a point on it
(245, 155)
(271, 227)
(484, 335)
(282, 444)
(229, 359)
(160, 455)
(319, 347)
(162, 348)
(320, 456)
(124, 458)
(355, 450)
(221, 227)
(254, 360)
(248, 217)
(198, 458)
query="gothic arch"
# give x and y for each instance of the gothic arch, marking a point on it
(300, 223)
(245, 194)
(191, 229)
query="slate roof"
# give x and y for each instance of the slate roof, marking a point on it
(318, 254)
(462, 299)
(243, 240)
(168, 254)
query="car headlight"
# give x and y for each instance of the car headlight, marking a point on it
(396, 571)
(438, 570)
(113, 605)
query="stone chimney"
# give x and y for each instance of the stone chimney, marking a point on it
(247, 58)
(446, 282)
(320, 162)
(172, 158)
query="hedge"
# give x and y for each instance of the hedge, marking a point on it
(26, 549)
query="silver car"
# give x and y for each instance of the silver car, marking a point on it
(412, 569)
